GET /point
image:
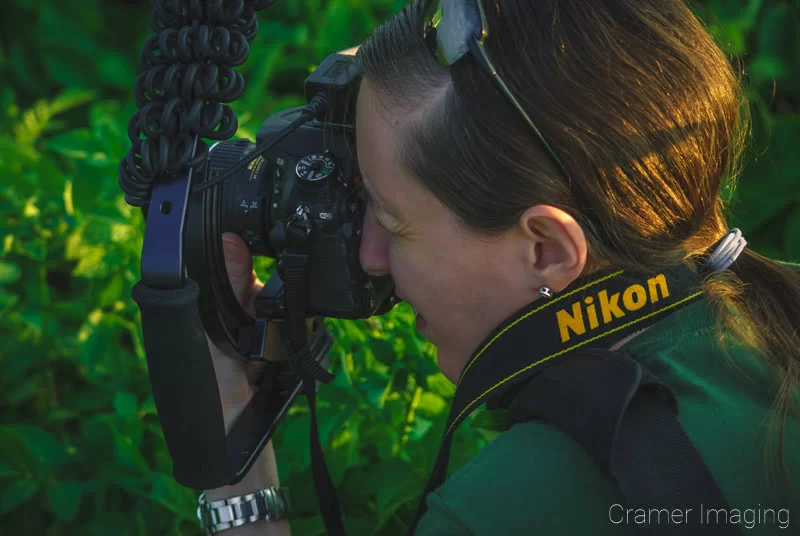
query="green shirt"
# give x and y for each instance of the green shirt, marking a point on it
(535, 479)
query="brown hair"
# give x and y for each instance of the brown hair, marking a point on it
(644, 110)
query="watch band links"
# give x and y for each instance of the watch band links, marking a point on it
(267, 504)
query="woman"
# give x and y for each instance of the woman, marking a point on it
(635, 121)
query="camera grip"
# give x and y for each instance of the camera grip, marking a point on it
(184, 385)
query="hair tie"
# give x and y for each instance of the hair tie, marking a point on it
(726, 251)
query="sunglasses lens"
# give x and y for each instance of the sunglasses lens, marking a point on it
(448, 27)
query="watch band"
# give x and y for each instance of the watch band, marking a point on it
(267, 504)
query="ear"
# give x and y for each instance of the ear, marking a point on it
(555, 246)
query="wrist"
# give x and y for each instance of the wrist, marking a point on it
(263, 474)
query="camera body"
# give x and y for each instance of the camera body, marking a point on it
(301, 197)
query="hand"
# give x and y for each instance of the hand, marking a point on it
(238, 380)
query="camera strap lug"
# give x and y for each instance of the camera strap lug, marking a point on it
(293, 327)
(299, 227)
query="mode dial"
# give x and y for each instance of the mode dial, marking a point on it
(315, 169)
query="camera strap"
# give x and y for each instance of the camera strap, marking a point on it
(305, 367)
(590, 315)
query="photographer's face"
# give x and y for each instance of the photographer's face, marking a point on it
(462, 284)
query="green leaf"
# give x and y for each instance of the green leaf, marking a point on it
(89, 246)
(127, 454)
(112, 293)
(777, 31)
(22, 392)
(64, 498)
(440, 385)
(430, 405)
(47, 450)
(399, 485)
(16, 494)
(295, 433)
(176, 498)
(14, 154)
(70, 69)
(117, 70)
(78, 143)
(377, 389)
(125, 404)
(768, 68)
(733, 12)
(344, 455)
(496, 420)
(91, 264)
(35, 249)
(342, 27)
(8, 102)
(26, 67)
(15, 451)
(383, 350)
(791, 237)
(61, 414)
(8, 241)
(307, 526)
(420, 428)
(71, 98)
(95, 336)
(7, 301)
(149, 406)
(764, 184)
(104, 523)
(9, 273)
(730, 37)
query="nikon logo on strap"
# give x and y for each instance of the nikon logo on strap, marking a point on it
(593, 312)
(633, 298)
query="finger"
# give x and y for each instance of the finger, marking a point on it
(239, 262)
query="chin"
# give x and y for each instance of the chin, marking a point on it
(449, 363)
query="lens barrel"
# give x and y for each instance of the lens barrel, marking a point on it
(246, 196)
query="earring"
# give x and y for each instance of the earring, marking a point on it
(545, 292)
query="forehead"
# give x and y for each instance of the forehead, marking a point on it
(376, 126)
(376, 139)
(377, 134)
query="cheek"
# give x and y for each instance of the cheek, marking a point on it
(462, 281)
(432, 270)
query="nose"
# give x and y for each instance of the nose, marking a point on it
(374, 251)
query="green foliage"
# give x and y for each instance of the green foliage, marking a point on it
(81, 449)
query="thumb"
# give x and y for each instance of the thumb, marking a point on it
(239, 263)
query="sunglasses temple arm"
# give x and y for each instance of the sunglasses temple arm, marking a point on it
(480, 52)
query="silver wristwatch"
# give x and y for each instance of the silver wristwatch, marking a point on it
(268, 504)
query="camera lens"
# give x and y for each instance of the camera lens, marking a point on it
(246, 196)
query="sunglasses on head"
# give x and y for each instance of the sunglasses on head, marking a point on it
(451, 29)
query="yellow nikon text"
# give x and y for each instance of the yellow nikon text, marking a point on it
(633, 298)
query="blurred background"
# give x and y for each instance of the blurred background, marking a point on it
(81, 450)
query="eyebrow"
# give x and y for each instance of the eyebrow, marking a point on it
(381, 206)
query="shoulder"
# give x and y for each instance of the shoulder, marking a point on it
(531, 476)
